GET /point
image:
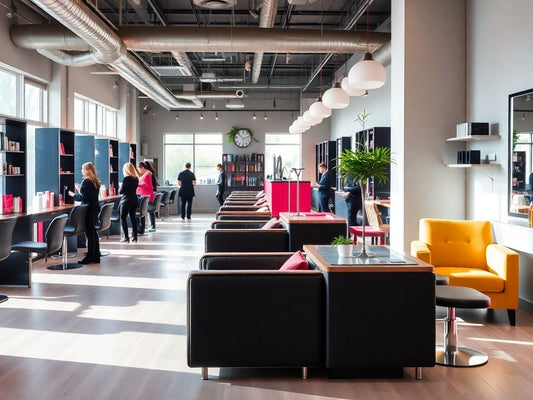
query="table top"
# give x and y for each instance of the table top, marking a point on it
(384, 260)
(311, 218)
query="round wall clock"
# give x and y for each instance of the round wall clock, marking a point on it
(242, 138)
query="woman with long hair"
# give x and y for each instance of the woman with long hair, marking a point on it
(128, 202)
(145, 188)
(87, 193)
(151, 214)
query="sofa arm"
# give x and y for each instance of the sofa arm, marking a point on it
(243, 261)
(505, 263)
(246, 240)
(255, 318)
(236, 224)
(421, 251)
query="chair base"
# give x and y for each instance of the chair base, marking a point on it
(464, 357)
(3, 298)
(59, 267)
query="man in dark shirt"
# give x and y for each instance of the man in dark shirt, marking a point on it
(186, 181)
(352, 195)
(325, 187)
(221, 184)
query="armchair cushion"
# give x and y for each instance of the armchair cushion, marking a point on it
(296, 261)
(272, 224)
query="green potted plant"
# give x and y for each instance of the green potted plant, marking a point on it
(344, 245)
(364, 164)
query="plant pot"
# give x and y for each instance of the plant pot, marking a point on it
(345, 250)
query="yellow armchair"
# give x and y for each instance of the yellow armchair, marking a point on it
(464, 252)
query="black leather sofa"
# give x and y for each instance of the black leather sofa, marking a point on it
(255, 318)
(238, 224)
(246, 240)
(247, 216)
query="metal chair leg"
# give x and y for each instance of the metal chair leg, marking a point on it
(204, 373)
(304, 372)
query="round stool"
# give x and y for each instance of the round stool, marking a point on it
(450, 353)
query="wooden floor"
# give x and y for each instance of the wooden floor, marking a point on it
(118, 331)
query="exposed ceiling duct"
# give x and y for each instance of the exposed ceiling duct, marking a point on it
(267, 18)
(109, 49)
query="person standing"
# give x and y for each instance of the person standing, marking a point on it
(145, 188)
(221, 184)
(325, 187)
(87, 193)
(151, 214)
(186, 182)
(352, 196)
(129, 202)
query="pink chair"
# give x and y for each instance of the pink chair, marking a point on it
(369, 232)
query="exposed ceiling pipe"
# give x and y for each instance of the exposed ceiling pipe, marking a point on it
(237, 94)
(157, 39)
(110, 49)
(267, 19)
(71, 60)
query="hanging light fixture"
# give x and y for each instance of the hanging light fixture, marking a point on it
(367, 73)
(216, 116)
(311, 119)
(254, 116)
(177, 115)
(265, 117)
(336, 97)
(318, 109)
(201, 115)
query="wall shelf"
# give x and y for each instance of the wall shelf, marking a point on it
(473, 138)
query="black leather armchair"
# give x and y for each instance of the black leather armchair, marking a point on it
(255, 319)
(246, 240)
(238, 224)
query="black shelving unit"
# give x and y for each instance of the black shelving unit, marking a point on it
(519, 170)
(244, 170)
(106, 162)
(13, 142)
(343, 143)
(54, 162)
(83, 152)
(326, 152)
(370, 139)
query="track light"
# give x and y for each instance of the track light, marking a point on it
(115, 85)
(216, 116)
(12, 11)
(177, 115)
(254, 116)
(265, 117)
(201, 115)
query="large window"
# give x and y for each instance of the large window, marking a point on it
(35, 101)
(202, 150)
(8, 88)
(285, 145)
(93, 117)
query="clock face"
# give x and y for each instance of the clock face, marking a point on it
(242, 138)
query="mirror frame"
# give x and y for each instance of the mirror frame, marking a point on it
(511, 117)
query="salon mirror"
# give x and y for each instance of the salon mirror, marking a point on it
(520, 152)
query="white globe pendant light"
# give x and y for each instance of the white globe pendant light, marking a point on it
(336, 98)
(300, 121)
(367, 74)
(293, 129)
(318, 109)
(345, 85)
(311, 119)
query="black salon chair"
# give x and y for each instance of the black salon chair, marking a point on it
(171, 200)
(7, 226)
(142, 210)
(75, 226)
(155, 206)
(104, 223)
(54, 241)
(164, 203)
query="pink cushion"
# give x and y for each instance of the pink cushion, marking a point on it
(260, 194)
(296, 261)
(260, 202)
(272, 224)
(262, 209)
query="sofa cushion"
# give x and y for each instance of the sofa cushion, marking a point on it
(262, 209)
(260, 202)
(296, 261)
(475, 278)
(272, 224)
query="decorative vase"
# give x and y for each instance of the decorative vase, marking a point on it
(345, 250)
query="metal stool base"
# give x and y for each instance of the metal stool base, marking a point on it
(59, 267)
(464, 357)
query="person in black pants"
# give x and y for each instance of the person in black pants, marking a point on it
(352, 196)
(325, 187)
(151, 214)
(221, 184)
(87, 193)
(129, 202)
(186, 181)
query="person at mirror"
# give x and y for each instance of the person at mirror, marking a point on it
(221, 184)
(325, 188)
(352, 196)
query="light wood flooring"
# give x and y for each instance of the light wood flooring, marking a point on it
(118, 331)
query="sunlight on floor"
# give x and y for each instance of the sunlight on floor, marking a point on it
(142, 311)
(42, 304)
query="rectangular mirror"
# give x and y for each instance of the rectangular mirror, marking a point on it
(520, 152)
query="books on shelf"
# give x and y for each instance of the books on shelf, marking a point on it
(62, 149)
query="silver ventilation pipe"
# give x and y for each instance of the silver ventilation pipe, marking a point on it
(237, 94)
(156, 39)
(110, 49)
(70, 60)
(269, 8)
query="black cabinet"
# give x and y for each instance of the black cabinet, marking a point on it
(244, 170)
(13, 194)
(106, 163)
(84, 152)
(343, 143)
(326, 152)
(370, 139)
